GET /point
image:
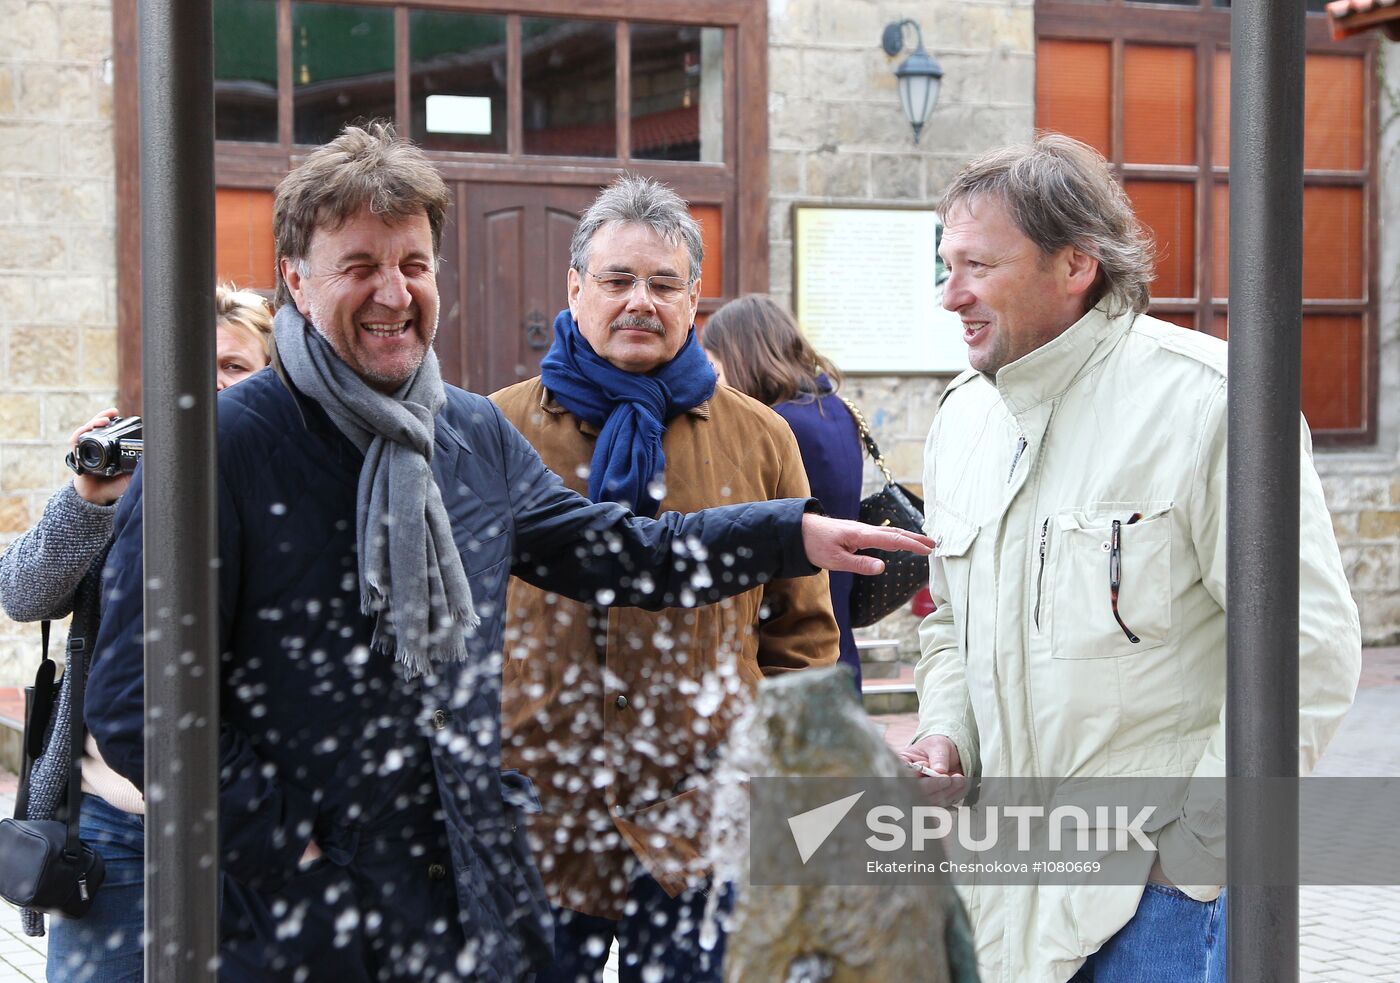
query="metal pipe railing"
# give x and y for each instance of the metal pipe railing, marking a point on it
(181, 659)
(1266, 261)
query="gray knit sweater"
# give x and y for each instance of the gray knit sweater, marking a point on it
(53, 569)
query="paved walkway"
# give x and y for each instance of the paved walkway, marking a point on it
(1346, 934)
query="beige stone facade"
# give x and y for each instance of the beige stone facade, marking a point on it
(57, 259)
(837, 135)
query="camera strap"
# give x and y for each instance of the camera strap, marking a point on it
(77, 666)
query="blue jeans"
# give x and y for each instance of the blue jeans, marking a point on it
(658, 942)
(1173, 938)
(104, 946)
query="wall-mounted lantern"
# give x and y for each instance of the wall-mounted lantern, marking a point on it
(918, 75)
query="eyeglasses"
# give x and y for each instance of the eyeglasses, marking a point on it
(1115, 572)
(664, 290)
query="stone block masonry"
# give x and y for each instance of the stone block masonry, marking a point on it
(57, 258)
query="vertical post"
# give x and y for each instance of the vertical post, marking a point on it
(1266, 221)
(182, 668)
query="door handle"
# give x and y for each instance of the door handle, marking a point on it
(537, 332)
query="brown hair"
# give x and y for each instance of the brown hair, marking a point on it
(243, 310)
(763, 351)
(363, 167)
(1060, 192)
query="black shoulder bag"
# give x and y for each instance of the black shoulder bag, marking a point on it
(893, 505)
(43, 864)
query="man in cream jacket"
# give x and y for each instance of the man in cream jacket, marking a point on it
(1089, 437)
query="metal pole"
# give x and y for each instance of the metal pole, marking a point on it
(1266, 268)
(177, 365)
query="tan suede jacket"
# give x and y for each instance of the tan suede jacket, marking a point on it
(617, 714)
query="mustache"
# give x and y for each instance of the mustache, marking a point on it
(637, 322)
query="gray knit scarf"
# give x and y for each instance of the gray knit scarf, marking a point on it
(411, 575)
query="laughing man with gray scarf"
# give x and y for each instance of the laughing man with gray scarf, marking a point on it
(369, 519)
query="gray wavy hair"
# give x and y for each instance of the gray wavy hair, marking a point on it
(1060, 192)
(643, 201)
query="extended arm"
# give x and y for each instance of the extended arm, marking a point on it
(588, 550)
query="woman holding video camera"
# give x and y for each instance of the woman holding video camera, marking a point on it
(56, 568)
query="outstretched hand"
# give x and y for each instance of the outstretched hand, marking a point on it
(832, 543)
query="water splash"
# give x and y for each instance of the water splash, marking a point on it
(811, 725)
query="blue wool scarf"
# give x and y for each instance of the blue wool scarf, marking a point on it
(629, 409)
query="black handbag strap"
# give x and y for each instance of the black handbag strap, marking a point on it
(44, 627)
(870, 445)
(77, 667)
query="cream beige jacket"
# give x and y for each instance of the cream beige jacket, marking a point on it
(1023, 664)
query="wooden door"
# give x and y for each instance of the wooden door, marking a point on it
(503, 278)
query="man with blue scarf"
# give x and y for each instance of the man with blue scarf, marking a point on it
(616, 715)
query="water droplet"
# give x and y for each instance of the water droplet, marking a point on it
(186, 401)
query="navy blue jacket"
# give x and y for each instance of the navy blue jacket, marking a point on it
(322, 737)
(832, 457)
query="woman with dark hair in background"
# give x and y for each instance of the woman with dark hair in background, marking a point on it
(56, 568)
(757, 348)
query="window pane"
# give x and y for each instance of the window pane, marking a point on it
(1159, 105)
(1334, 121)
(1072, 90)
(1220, 124)
(1334, 128)
(457, 88)
(1168, 209)
(245, 70)
(343, 67)
(569, 98)
(1334, 372)
(710, 220)
(677, 92)
(1220, 240)
(1333, 267)
(243, 244)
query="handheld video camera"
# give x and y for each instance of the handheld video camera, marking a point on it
(108, 451)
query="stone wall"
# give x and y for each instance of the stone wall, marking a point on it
(57, 258)
(838, 135)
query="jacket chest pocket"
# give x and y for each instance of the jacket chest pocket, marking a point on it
(952, 564)
(1109, 579)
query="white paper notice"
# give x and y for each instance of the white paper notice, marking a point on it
(458, 114)
(867, 293)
